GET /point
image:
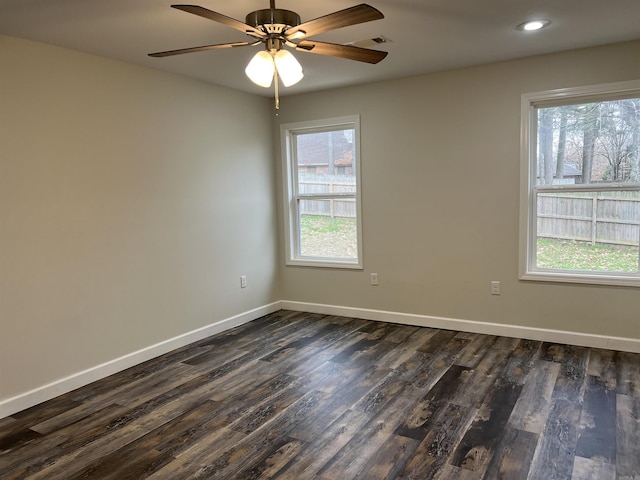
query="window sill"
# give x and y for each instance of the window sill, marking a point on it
(325, 264)
(582, 278)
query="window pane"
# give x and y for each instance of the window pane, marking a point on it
(589, 143)
(328, 228)
(326, 161)
(588, 231)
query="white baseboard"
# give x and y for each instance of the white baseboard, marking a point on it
(529, 333)
(38, 395)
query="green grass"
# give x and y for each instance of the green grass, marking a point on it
(320, 225)
(574, 255)
(322, 236)
(326, 236)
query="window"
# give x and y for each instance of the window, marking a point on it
(580, 205)
(322, 193)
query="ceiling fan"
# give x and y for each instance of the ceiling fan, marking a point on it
(276, 28)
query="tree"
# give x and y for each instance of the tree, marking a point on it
(615, 140)
(562, 142)
(545, 134)
(631, 115)
(590, 128)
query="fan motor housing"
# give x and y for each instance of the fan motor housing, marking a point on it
(273, 16)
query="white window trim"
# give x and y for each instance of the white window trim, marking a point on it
(528, 219)
(290, 199)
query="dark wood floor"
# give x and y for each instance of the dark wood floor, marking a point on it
(296, 396)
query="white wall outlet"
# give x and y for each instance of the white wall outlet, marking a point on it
(243, 281)
(495, 288)
(374, 279)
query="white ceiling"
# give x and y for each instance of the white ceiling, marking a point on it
(427, 35)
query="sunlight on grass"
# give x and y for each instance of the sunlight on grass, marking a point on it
(573, 255)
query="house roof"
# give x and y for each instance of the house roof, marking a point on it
(314, 149)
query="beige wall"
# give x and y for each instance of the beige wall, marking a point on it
(440, 173)
(131, 201)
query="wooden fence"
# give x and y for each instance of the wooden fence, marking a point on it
(591, 218)
(612, 218)
(331, 207)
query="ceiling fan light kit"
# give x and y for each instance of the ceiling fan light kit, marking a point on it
(261, 69)
(276, 28)
(289, 69)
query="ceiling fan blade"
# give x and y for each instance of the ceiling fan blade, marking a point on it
(344, 51)
(220, 18)
(350, 16)
(199, 49)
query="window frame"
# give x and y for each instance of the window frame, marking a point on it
(291, 195)
(530, 102)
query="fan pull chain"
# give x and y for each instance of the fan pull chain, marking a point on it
(276, 81)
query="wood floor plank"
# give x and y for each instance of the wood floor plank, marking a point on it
(125, 464)
(472, 353)
(573, 369)
(532, 408)
(449, 472)
(282, 393)
(398, 356)
(263, 442)
(299, 396)
(4, 422)
(359, 453)
(513, 455)
(401, 334)
(390, 459)
(18, 438)
(422, 370)
(602, 364)
(597, 432)
(324, 446)
(282, 334)
(39, 413)
(508, 343)
(271, 466)
(339, 400)
(521, 360)
(182, 432)
(420, 419)
(555, 452)
(627, 436)
(628, 369)
(441, 440)
(476, 449)
(482, 378)
(318, 347)
(131, 394)
(196, 460)
(382, 394)
(21, 461)
(244, 379)
(118, 436)
(589, 468)
(435, 342)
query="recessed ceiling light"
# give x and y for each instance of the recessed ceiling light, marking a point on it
(533, 25)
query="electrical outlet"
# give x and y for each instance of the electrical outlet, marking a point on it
(243, 281)
(374, 279)
(495, 288)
